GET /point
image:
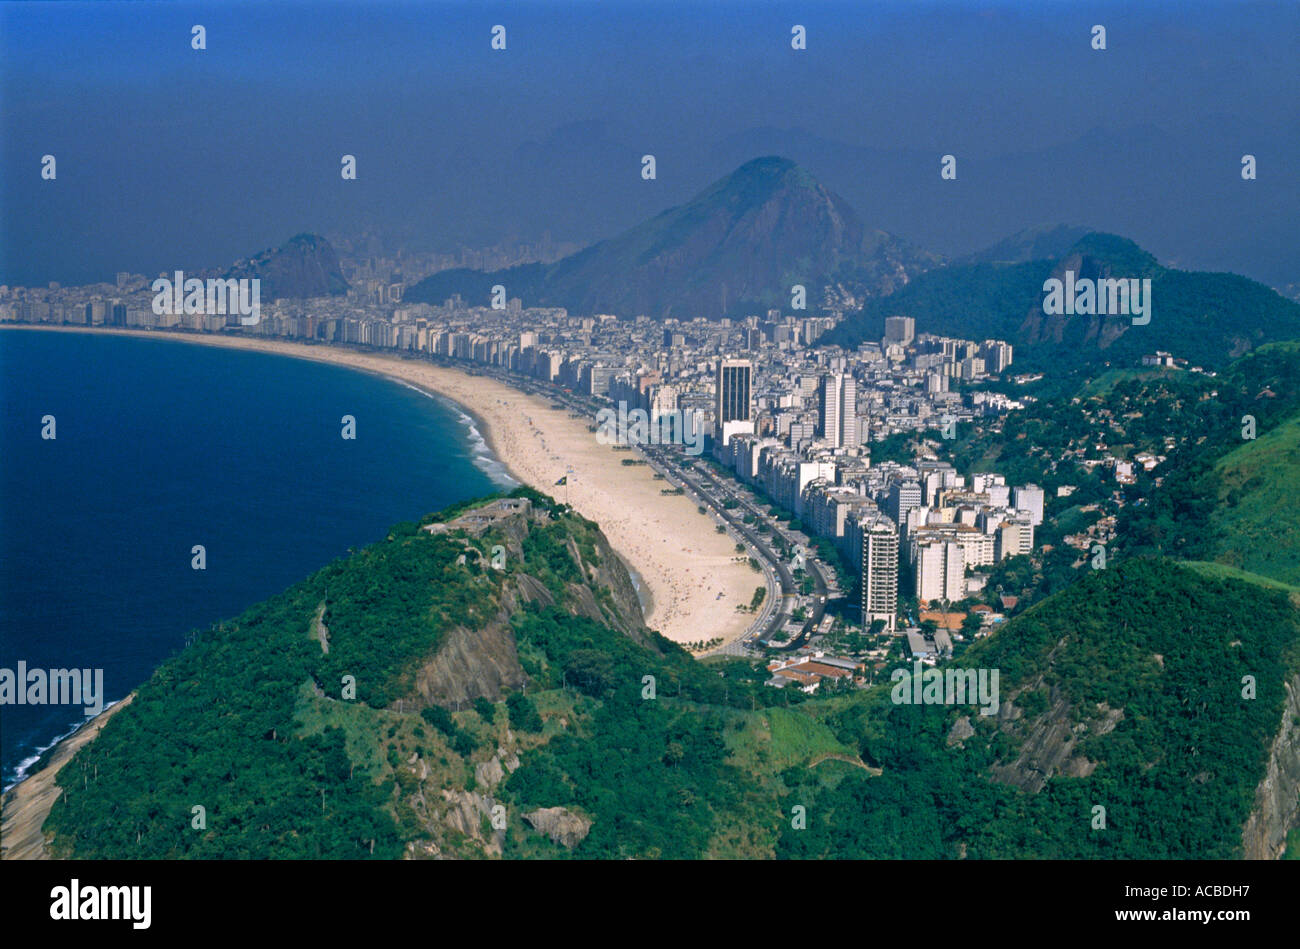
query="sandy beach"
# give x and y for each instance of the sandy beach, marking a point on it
(674, 550)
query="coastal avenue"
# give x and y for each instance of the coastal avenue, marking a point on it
(789, 588)
(668, 461)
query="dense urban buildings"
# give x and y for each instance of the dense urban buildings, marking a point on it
(794, 420)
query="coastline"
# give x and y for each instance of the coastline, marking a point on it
(27, 804)
(687, 573)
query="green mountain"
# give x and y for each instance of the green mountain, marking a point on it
(386, 705)
(1226, 496)
(1206, 318)
(736, 248)
(1035, 243)
(1127, 691)
(1257, 521)
(518, 708)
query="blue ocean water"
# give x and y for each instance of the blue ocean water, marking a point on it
(161, 445)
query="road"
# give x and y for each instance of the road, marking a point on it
(711, 491)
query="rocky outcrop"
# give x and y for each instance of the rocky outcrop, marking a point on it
(466, 815)
(1277, 798)
(490, 773)
(960, 731)
(471, 664)
(561, 825)
(485, 663)
(606, 571)
(1049, 743)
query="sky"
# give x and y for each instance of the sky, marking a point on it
(174, 158)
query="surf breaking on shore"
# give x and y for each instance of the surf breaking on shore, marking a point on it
(27, 804)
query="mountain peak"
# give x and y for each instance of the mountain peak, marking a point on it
(766, 165)
(735, 248)
(304, 266)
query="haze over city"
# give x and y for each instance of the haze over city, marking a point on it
(171, 157)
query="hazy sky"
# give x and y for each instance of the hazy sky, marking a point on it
(171, 158)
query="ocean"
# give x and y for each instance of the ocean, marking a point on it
(162, 445)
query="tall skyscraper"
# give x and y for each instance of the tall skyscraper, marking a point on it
(735, 392)
(839, 411)
(879, 571)
(830, 413)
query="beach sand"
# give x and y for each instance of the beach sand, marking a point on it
(27, 804)
(681, 561)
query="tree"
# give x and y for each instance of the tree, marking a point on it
(523, 713)
(439, 718)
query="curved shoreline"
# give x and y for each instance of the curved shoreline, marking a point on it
(27, 804)
(689, 580)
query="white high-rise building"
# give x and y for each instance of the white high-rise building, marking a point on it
(940, 570)
(1029, 498)
(839, 410)
(879, 571)
(903, 496)
(1014, 536)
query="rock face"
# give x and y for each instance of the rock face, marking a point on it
(471, 664)
(1277, 799)
(467, 814)
(1091, 259)
(960, 731)
(491, 772)
(306, 266)
(1049, 742)
(562, 826)
(484, 662)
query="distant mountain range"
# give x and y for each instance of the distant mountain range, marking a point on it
(738, 247)
(1207, 318)
(304, 266)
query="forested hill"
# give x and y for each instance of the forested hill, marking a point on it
(1126, 691)
(1207, 318)
(525, 712)
(377, 708)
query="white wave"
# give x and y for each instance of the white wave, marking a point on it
(21, 772)
(480, 453)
